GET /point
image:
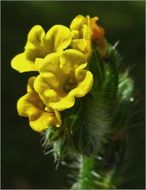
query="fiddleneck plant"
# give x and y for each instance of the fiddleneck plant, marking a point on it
(78, 99)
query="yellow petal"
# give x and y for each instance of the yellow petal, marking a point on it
(51, 63)
(43, 87)
(25, 62)
(64, 103)
(51, 95)
(38, 63)
(30, 84)
(77, 22)
(34, 46)
(79, 44)
(51, 79)
(86, 32)
(75, 34)
(84, 86)
(21, 64)
(82, 40)
(43, 122)
(82, 45)
(82, 25)
(71, 59)
(29, 106)
(36, 35)
(57, 38)
(80, 73)
(32, 54)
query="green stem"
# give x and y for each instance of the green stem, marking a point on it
(85, 175)
(88, 177)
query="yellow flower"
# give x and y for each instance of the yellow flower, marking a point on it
(62, 78)
(80, 27)
(31, 106)
(84, 31)
(39, 45)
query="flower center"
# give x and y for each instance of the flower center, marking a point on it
(69, 85)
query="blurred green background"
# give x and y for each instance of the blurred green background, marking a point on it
(23, 162)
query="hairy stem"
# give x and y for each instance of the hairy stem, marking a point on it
(85, 175)
(89, 178)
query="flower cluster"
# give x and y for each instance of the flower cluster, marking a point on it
(61, 58)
